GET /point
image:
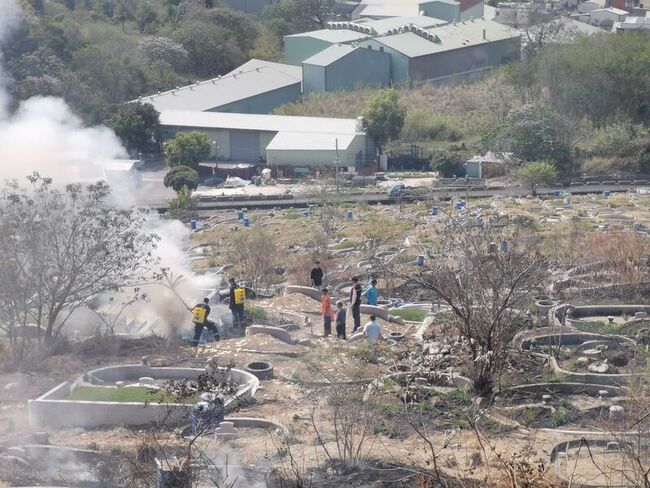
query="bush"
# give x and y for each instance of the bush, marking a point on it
(180, 177)
(421, 125)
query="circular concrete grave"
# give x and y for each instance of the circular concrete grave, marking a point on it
(262, 369)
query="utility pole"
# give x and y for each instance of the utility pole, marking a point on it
(336, 166)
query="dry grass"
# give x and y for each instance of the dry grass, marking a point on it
(465, 110)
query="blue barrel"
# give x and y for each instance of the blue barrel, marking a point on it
(503, 247)
(479, 222)
(420, 260)
(247, 222)
(193, 224)
(240, 215)
(606, 193)
(459, 205)
(434, 211)
(306, 213)
(349, 214)
(557, 193)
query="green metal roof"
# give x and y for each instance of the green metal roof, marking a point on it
(332, 35)
(329, 55)
(448, 37)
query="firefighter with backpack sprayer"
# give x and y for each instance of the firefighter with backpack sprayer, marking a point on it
(237, 299)
(200, 319)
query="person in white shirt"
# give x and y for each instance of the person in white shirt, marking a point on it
(372, 330)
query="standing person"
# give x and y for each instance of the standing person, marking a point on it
(237, 298)
(355, 303)
(371, 293)
(341, 319)
(200, 319)
(327, 312)
(372, 330)
(316, 275)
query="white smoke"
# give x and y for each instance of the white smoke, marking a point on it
(44, 135)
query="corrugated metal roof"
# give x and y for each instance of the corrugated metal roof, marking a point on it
(379, 27)
(250, 79)
(332, 35)
(393, 8)
(616, 11)
(269, 123)
(331, 54)
(449, 37)
(300, 141)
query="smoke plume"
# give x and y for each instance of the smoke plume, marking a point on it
(44, 135)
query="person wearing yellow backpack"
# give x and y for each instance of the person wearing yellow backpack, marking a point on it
(237, 299)
(200, 319)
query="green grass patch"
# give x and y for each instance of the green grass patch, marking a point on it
(291, 215)
(410, 314)
(124, 395)
(257, 314)
(597, 327)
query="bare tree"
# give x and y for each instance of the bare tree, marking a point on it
(256, 257)
(328, 209)
(487, 290)
(64, 247)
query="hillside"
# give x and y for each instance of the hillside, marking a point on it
(100, 53)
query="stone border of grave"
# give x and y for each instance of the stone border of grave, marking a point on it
(581, 312)
(608, 379)
(563, 449)
(53, 410)
(563, 387)
(279, 333)
(242, 422)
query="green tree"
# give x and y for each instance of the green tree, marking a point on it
(534, 133)
(187, 149)
(180, 177)
(445, 164)
(291, 16)
(384, 117)
(137, 125)
(184, 204)
(536, 174)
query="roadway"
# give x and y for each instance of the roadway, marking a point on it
(303, 201)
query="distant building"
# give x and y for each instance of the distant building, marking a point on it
(255, 87)
(462, 49)
(606, 17)
(491, 165)
(300, 47)
(343, 67)
(631, 24)
(449, 10)
(250, 6)
(288, 144)
(589, 5)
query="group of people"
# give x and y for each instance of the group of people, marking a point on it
(371, 331)
(201, 311)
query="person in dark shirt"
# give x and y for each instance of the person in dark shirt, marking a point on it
(316, 275)
(341, 319)
(198, 327)
(355, 303)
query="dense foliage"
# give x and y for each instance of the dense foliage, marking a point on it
(180, 177)
(384, 117)
(187, 149)
(100, 53)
